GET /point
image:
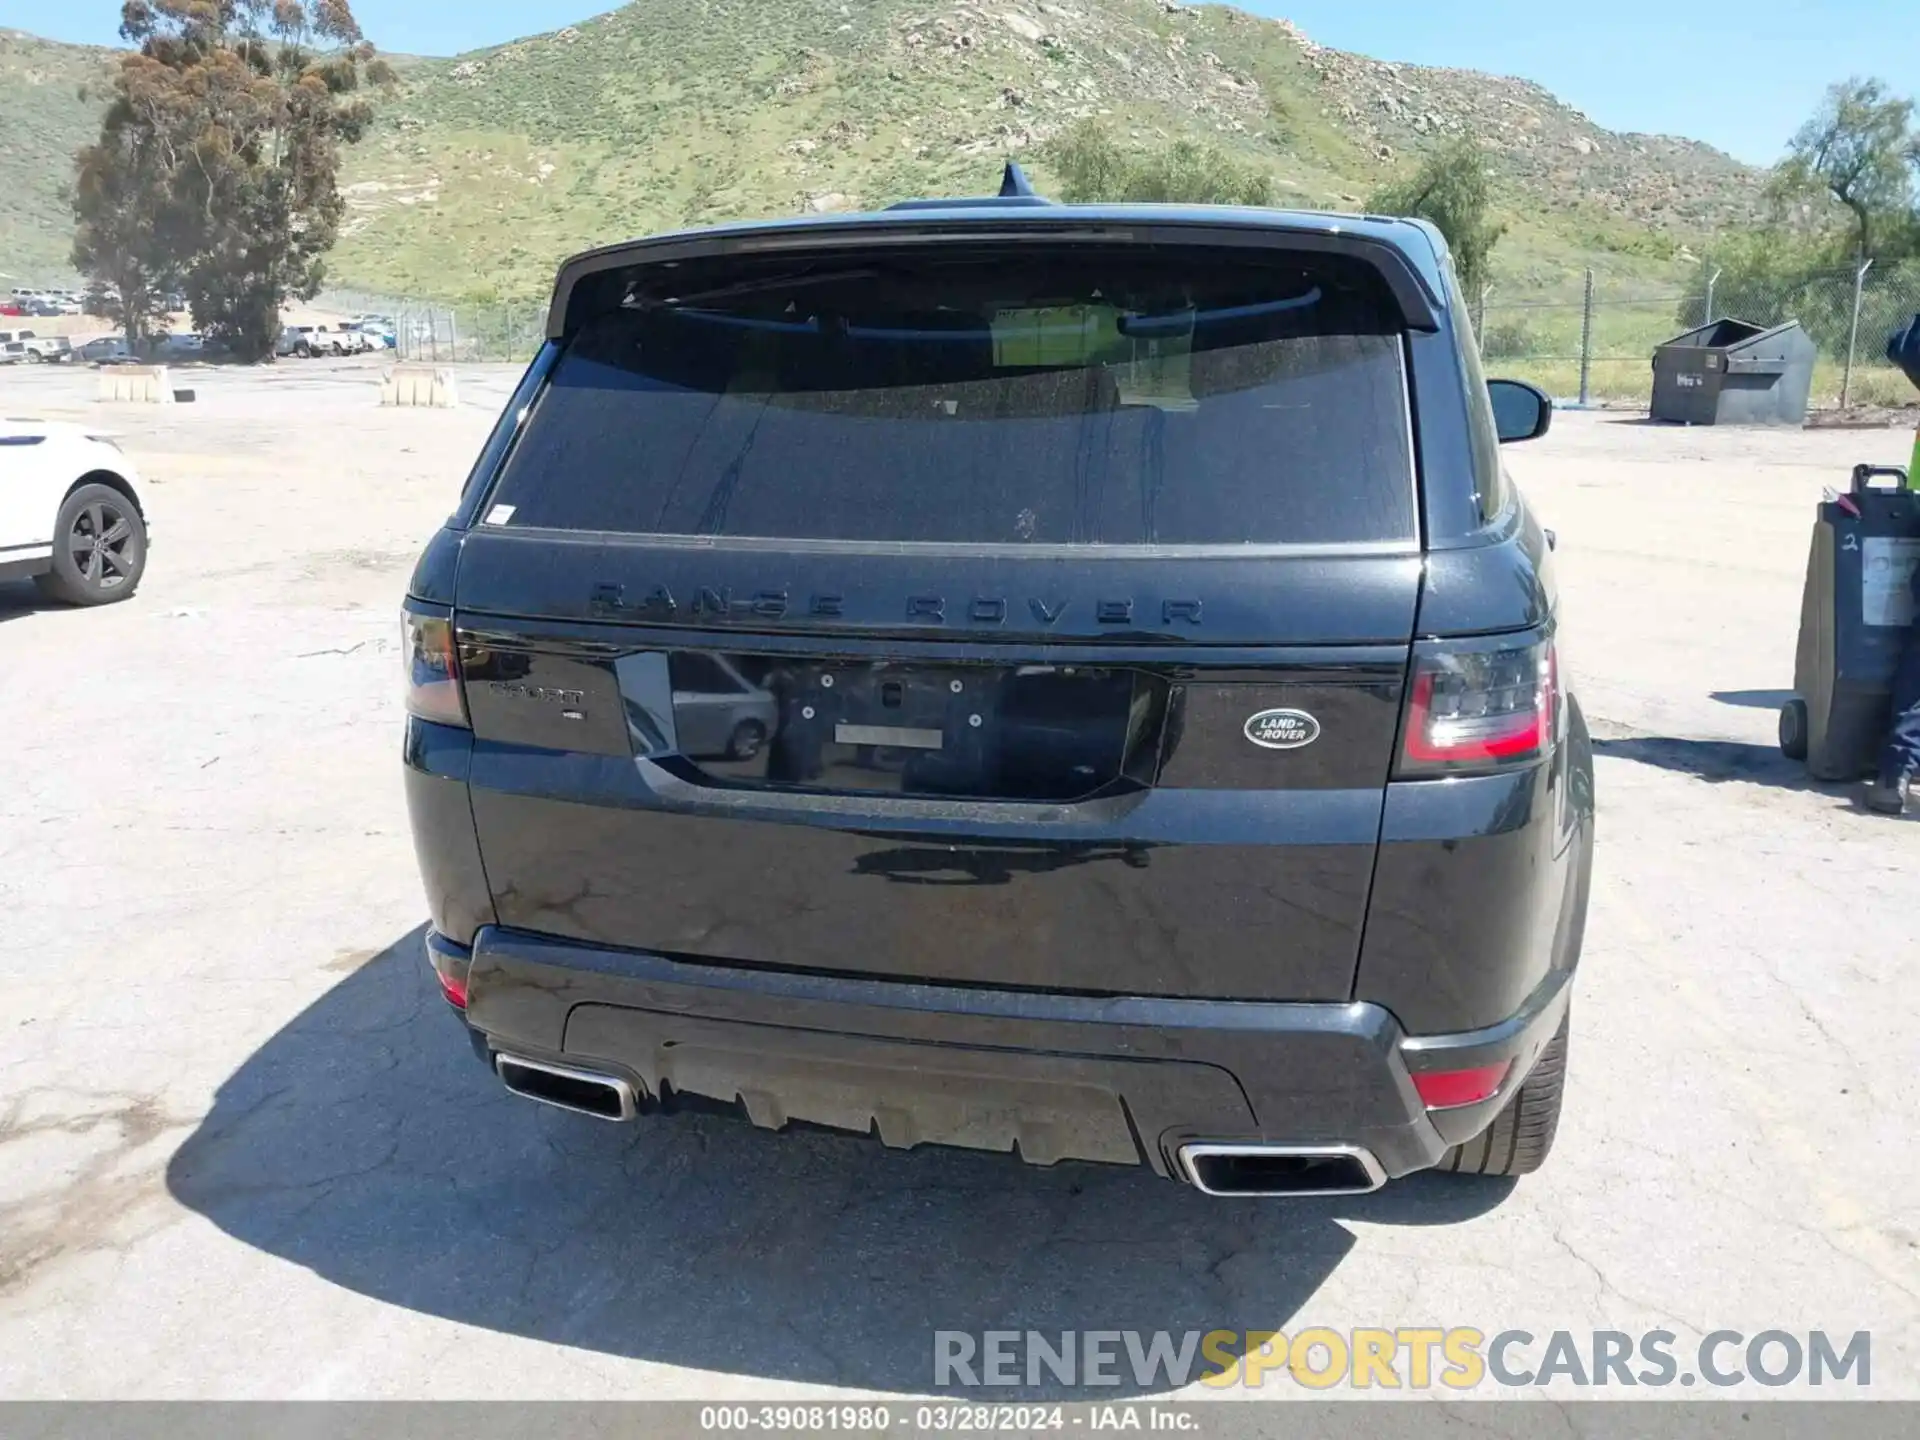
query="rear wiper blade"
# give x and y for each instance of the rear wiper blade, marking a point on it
(784, 280)
(744, 322)
(1178, 322)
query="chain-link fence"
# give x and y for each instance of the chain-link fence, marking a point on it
(1596, 342)
(1593, 341)
(443, 334)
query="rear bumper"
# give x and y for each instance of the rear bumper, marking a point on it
(1050, 1076)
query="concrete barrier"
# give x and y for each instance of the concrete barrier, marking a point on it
(419, 385)
(135, 385)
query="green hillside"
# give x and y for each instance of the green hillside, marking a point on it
(486, 169)
(489, 168)
(43, 120)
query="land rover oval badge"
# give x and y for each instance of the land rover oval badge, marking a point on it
(1282, 729)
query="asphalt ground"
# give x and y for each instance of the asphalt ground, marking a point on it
(245, 1153)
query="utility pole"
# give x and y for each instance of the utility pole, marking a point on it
(1586, 346)
(1853, 333)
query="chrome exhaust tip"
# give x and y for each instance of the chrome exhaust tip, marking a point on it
(605, 1097)
(1256, 1169)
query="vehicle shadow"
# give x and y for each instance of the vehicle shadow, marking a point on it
(23, 597)
(364, 1142)
(1715, 761)
(1752, 699)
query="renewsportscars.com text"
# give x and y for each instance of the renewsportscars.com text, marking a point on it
(1405, 1357)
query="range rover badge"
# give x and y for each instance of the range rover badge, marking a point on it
(1282, 729)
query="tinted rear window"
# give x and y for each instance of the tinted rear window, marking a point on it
(1138, 395)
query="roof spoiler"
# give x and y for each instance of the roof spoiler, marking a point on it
(582, 284)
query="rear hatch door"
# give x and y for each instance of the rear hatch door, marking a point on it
(1019, 615)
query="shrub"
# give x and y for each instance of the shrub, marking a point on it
(1093, 166)
(1507, 338)
(1452, 190)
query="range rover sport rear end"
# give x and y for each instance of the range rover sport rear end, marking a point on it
(1062, 680)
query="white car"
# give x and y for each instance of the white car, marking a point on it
(351, 338)
(37, 347)
(71, 516)
(309, 340)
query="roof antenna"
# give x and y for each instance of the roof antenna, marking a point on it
(1015, 182)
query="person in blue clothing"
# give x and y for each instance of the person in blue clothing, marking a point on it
(1900, 757)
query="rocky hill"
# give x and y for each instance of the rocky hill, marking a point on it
(1546, 148)
(487, 168)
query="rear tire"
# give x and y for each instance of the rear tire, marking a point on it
(1521, 1134)
(99, 549)
(1793, 729)
(747, 738)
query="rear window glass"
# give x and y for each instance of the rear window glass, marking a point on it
(1058, 396)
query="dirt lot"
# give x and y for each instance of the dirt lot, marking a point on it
(245, 1153)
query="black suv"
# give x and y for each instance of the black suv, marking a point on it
(1061, 679)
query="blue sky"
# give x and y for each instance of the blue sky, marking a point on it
(1740, 74)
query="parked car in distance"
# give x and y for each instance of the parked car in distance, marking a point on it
(106, 350)
(377, 328)
(71, 513)
(12, 352)
(37, 348)
(308, 340)
(1168, 759)
(720, 714)
(315, 339)
(295, 340)
(180, 345)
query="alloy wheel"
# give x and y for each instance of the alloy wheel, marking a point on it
(99, 543)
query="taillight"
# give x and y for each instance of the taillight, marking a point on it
(451, 965)
(1443, 1089)
(433, 670)
(1479, 707)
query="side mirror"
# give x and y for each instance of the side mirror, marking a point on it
(1520, 411)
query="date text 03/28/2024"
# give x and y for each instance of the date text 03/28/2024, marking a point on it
(946, 1418)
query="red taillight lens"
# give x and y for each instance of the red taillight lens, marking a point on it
(433, 670)
(450, 967)
(1441, 1089)
(1479, 709)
